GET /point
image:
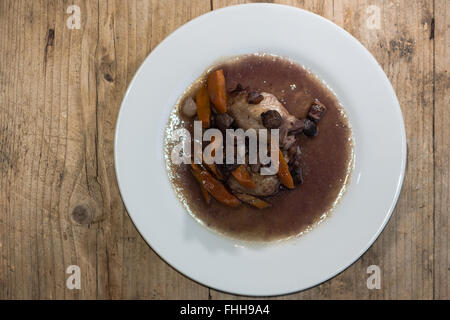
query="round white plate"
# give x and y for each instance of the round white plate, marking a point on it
(363, 89)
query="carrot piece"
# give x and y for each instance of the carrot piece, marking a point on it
(243, 177)
(212, 167)
(283, 172)
(216, 188)
(254, 201)
(217, 90)
(203, 107)
(205, 193)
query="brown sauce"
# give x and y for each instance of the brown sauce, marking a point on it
(326, 159)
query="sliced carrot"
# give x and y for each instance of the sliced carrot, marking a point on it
(196, 168)
(243, 177)
(212, 167)
(217, 90)
(216, 188)
(203, 107)
(251, 200)
(283, 172)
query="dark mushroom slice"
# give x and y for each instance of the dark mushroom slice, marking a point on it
(297, 175)
(311, 129)
(223, 121)
(271, 119)
(238, 89)
(254, 97)
(317, 111)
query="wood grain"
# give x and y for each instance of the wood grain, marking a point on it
(60, 92)
(441, 150)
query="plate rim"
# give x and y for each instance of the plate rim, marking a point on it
(398, 187)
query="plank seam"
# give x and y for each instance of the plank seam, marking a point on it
(433, 38)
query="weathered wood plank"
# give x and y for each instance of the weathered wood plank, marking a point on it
(60, 93)
(403, 48)
(441, 149)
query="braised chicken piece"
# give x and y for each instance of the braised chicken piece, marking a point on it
(265, 185)
(248, 115)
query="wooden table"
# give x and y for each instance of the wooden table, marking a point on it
(60, 92)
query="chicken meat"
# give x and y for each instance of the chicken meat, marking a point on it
(248, 116)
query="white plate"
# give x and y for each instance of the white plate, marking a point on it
(363, 89)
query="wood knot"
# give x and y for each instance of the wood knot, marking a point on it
(82, 214)
(108, 77)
